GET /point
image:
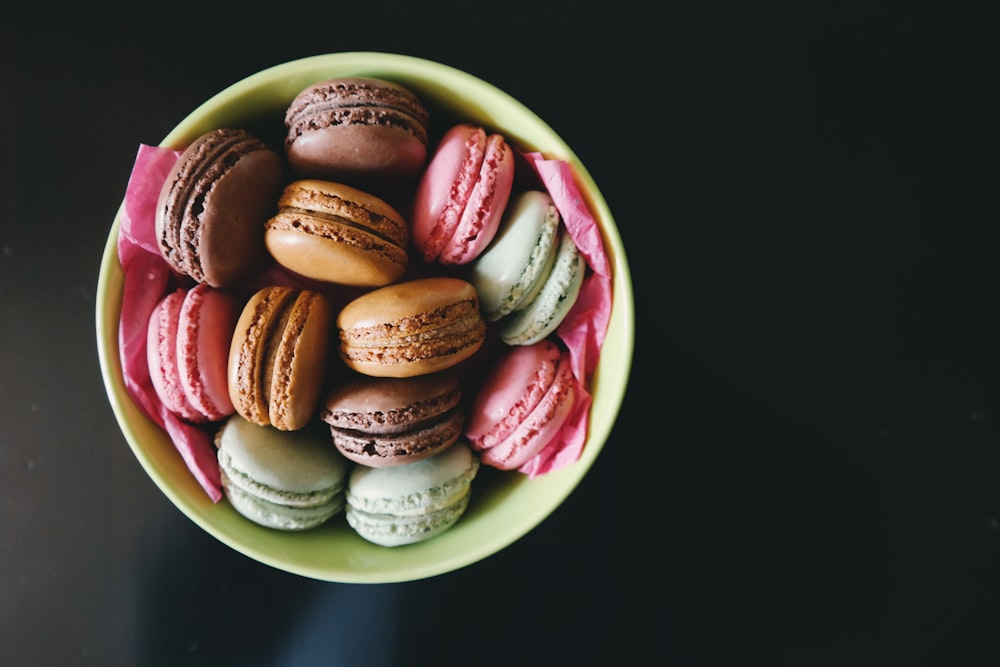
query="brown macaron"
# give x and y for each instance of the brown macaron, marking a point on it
(356, 129)
(385, 421)
(212, 207)
(411, 328)
(278, 357)
(336, 233)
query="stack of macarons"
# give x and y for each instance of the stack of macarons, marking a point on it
(325, 338)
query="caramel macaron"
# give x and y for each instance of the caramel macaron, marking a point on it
(411, 328)
(278, 357)
(336, 233)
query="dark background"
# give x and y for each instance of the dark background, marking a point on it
(806, 468)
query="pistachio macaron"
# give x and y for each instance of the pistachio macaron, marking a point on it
(530, 276)
(288, 480)
(410, 503)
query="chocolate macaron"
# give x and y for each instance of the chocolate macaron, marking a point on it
(380, 422)
(212, 207)
(415, 327)
(358, 129)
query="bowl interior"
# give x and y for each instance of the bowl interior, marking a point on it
(505, 505)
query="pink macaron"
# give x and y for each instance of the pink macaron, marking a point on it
(462, 195)
(187, 349)
(521, 406)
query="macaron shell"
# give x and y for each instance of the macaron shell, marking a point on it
(278, 354)
(299, 363)
(461, 196)
(511, 269)
(162, 359)
(204, 332)
(289, 480)
(297, 468)
(390, 405)
(539, 427)
(536, 320)
(511, 391)
(392, 531)
(335, 233)
(276, 515)
(484, 209)
(417, 488)
(211, 210)
(356, 128)
(231, 245)
(444, 188)
(411, 328)
(379, 450)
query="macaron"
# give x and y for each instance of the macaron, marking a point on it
(187, 347)
(212, 207)
(385, 421)
(411, 328)
(278, 356)
(523, 402)
(357, 129)
(530, 276)
(414, 502)
(288, 480)
(336, 233)
(461, 196)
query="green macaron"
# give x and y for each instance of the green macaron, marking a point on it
(412, 502)
(288, 480)
(530, 276)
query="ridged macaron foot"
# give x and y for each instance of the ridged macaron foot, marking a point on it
(414, 502)
(288, 480)
(530, 276)
(411, 328)
(336, 233)
(212, 207)
(523, 402)
(356, 129)
(462, 195)
(381, 422)
(187, 345)
(278, 356)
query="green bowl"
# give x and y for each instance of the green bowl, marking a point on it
(505, 505)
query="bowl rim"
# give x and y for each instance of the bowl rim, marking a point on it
(616, 360)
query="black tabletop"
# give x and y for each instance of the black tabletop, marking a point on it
(806, 467)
